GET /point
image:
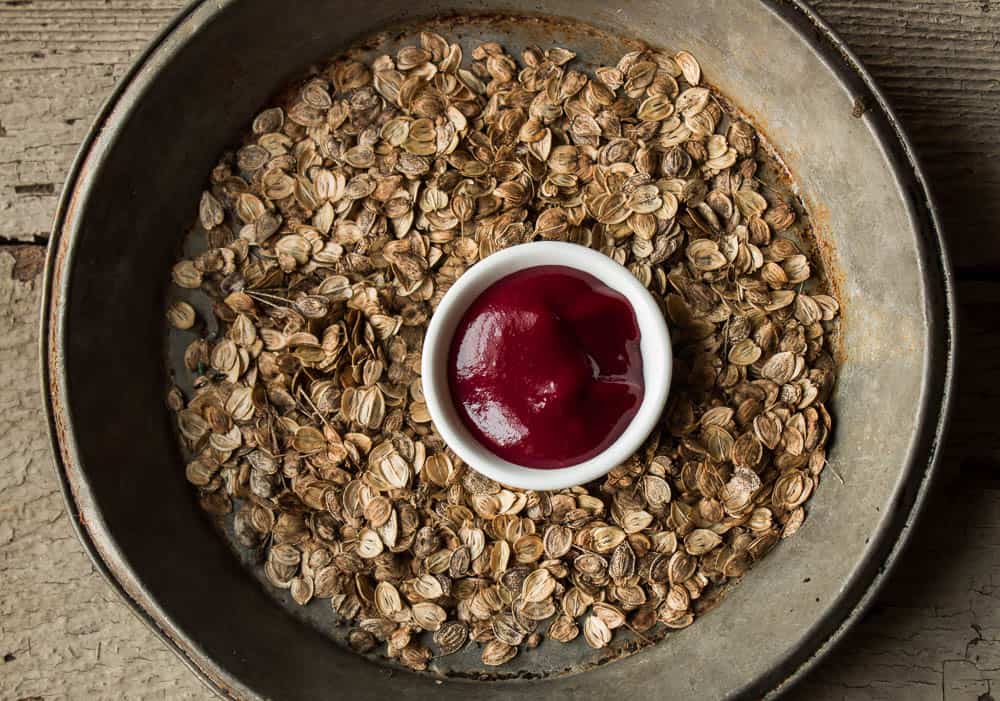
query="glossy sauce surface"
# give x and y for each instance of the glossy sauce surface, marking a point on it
(545, 367)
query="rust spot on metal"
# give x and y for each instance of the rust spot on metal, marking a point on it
(813, 216)
(831, 275)
(861, 106)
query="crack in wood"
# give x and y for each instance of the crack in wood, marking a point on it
(35, 189)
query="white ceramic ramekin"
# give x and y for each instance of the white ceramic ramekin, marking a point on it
(657, 362)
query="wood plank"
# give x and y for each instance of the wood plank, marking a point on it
(939, 65)
(59, 60)
(936, 59)
(63, 632)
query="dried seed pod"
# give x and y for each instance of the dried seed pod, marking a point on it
(557, 541)
(528, 548)
(538, 586)
(622, 563)
(181, 315)
(700, 541)
(563, 630)
(451, 637)
(387, 599)
(428, 616)
(497, 653)
(689, 66)
(607, 538)
(596, 632)
(611, 616)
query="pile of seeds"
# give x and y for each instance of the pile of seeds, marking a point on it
(330, 237)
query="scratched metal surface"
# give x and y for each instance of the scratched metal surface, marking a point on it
(594, 48)
(867, 521)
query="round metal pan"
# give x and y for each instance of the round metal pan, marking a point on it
(121, 222)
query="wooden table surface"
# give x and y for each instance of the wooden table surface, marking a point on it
(935, 631)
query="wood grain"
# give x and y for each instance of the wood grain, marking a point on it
(938, 61)
(59, 60)
(63, 631)
(935, 631)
